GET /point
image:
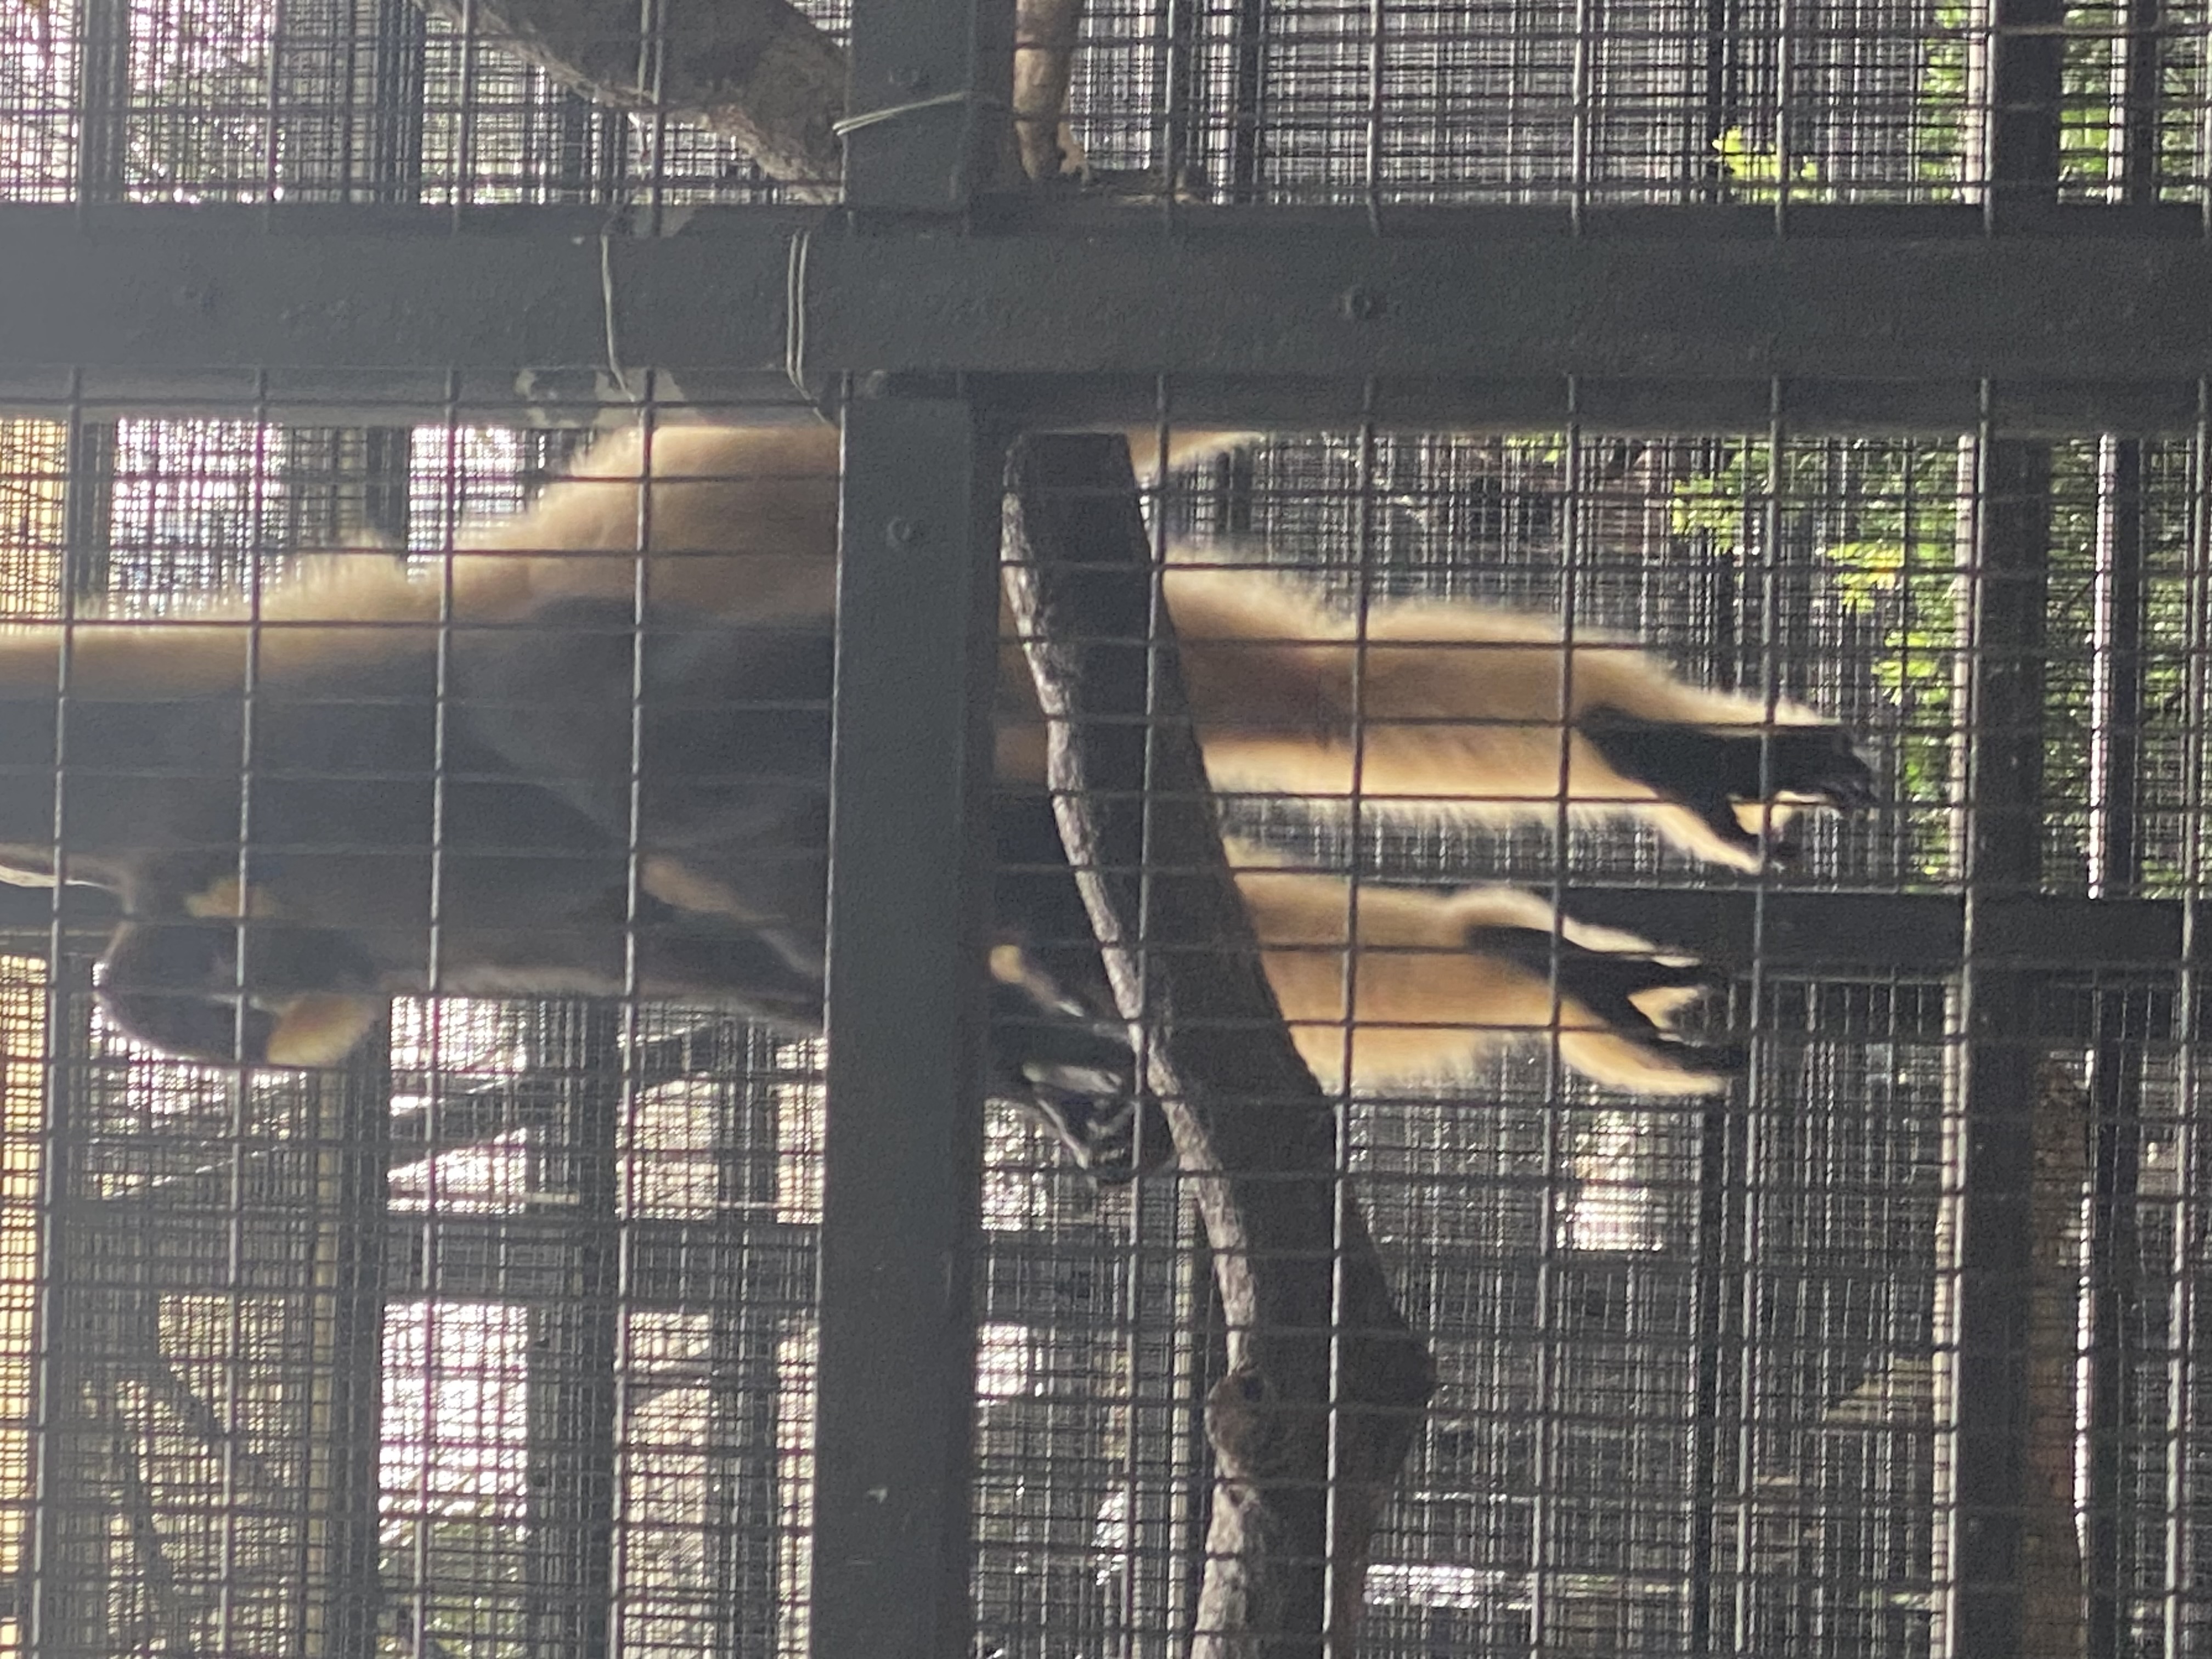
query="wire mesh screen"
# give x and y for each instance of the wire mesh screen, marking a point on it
(499, 1340)
(1622, 103)
(1403, 103)
(498, 1331)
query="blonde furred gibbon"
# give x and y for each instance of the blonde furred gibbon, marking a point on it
(1424, 707)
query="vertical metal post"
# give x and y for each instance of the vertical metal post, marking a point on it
(103, 101)
(909, 878)
(2010, 579)
(2118, 1468)
(1994, 1248)
(353, 1116)
(2115, 1468)
(910, 776)
(569, 1560)
(66, 1544)
(936, 76)
(746, 1319)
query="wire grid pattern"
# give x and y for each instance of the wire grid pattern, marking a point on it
(1624, 102)
(1568, 1251)
(1618, 103)
(327, 100)
(1689, 1356)
(1579, 1488)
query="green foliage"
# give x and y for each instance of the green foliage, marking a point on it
(1881, 520)
(1754, 172)
(1941, 126)
(2087, 152)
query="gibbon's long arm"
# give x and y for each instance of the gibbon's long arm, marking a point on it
(1440, 979)
(1462, 708)
(1458, 707)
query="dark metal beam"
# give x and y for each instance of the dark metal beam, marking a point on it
(917, 619)
(380, 306)
(1901, 935)
(2005, 1043)
(2001, 1527)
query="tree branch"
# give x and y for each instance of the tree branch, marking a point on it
(759, 72)
(1254, 1135)
(756, 71)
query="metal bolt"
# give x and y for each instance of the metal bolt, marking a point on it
(912, 81)
(1361, 304)
(903, 532)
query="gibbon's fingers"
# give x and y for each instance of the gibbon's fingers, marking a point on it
(1440, 979)
(1740, 788)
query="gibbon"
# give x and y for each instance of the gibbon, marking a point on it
(455, 748)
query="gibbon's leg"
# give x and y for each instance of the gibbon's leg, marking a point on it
(1460, 707)
(1045, 35)
(1439, 979)
(306, 996)
(310, 994)
(731, 737)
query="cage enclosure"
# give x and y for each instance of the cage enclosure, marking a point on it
(1518, 974)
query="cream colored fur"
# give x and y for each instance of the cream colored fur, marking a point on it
(1426, 706)
(1423, 1005)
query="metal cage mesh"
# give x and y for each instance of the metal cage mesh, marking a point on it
(501, 1339)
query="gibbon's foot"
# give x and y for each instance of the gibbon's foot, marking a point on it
(1633, 995)
(1077, 1077)
(1112, 1139)
(1711, 771)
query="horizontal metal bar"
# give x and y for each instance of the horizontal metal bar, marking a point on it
(740, 1257)
(370, 292)
(1841, 935)
(1912, 936)
(1872, 317)
(676, 1265)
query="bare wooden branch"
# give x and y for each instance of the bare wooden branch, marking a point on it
(1254, 1133)
(757, 70)
(2054, 1623)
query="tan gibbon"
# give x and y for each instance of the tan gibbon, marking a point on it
(455, 745)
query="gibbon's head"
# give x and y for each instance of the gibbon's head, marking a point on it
(231, 982)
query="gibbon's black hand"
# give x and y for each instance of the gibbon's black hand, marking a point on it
(1606, 983)
(1716, 772)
